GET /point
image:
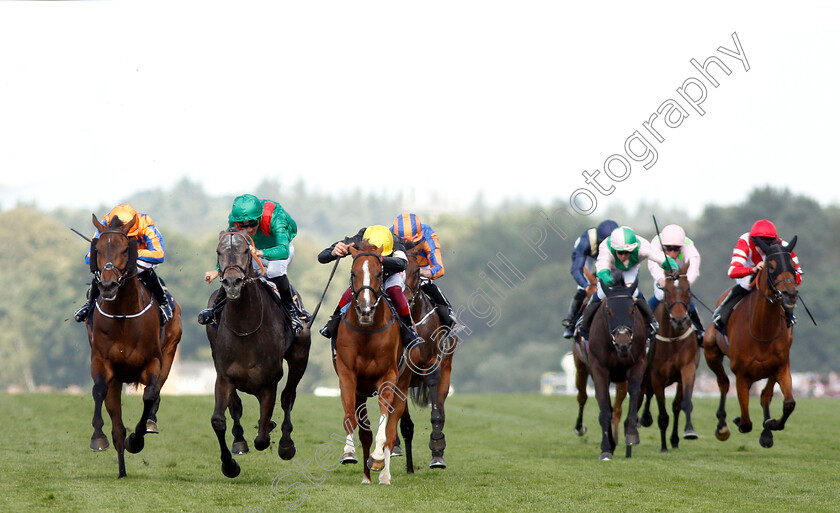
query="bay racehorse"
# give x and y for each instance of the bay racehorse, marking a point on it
(127, 342)
(428, 366)
(758, 343)
(582, 374)
(615, 352)
(249, 344)
(367, 353)
(672, 358)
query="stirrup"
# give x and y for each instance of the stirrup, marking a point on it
(165, 312)
(296, 324)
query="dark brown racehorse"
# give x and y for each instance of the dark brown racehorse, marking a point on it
(126, 340)
(672, 358)
(582, 375)
(616, 353)
(249, 346)
(367, 353)
(428, 366)
(758, 344)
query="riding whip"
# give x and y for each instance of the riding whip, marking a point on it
(315, 313)
(77, 232)
(806, 309)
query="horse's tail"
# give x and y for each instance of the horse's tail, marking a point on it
(420, 394)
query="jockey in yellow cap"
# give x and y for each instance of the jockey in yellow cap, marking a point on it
(393, 266)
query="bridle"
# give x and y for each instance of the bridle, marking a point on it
(773, 286)
(377, 293)
(620, 329)
(232, 258)
(122, 275)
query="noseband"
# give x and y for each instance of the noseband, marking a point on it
(245, 272)
(775, 294)
(670, 304)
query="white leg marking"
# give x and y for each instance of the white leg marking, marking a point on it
(385, 475)
(379, 450)
(348, 445)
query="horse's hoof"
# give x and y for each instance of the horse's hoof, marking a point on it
(766, 441)
(397, 451)
(152, 427)
(231, 470)
(262, 444)
(99, 444)
(239, 447)
(605, 456)
(690, 434)
(134, 444)
(349, 458)
(437, 462)
(663, 450)
(375, 465)
(723, 433)
(286, 453)
(632, 439)
(646, 420)
(580, 431)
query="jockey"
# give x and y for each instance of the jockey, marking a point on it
(409, 228)
(393, 266)
(747, 260)
(622, 252)
(682, 249)
(150, 253)
(272, 230)
(584, 256)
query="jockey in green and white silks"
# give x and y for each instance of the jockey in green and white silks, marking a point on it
(623, 251)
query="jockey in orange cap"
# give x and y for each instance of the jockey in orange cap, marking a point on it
(747, 260)
(408, 227)
(150, 253)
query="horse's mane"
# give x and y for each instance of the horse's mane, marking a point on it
(115, 222)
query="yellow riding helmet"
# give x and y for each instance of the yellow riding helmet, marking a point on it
(381, 237)
(126, 213)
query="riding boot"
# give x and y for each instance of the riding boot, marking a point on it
(644, 307)
(93, 292)
(330, 329)
(721, 314)
(442, 305)
(285, 290)
(212, 314)
(698, 325)
(574, 310)
(585, 320)
(151, 280)
(409, 336)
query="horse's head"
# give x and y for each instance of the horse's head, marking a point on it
(678, 297)
(366, 281)
(113, 255)
(234, 258)
(620, 314)
(412, 274)
(780, 284)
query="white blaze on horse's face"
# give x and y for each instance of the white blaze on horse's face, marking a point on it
(366, 280)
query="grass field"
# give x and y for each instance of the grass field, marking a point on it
(505, 453)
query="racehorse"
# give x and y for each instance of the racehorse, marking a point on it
(367, 353)
(672, 358)
(614, 353)
(582, 374)
(429, 366)
(758, 344)
(249, 345)
(127, 342)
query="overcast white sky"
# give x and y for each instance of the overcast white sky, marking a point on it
(511, 99)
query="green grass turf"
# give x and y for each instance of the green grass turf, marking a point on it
(505, 453)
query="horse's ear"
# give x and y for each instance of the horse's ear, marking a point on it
(126, 228)
(96, 224)
(353, 250)
(791, 244)
(761, 244)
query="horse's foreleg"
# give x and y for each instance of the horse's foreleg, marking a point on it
(98, 441)
(676, 406)
(437, 440)
(240, 446)
(297, 357)
(714, 359)
(172, 335)
(662, 420)
(407, 431)
(114, 406)
(766, 438)
(581, 378)
(224, 389)
(634, 389)
(788, 405)
(267, 397)
(620, 395)
(353, 408)
(688, 375)
(365, 436)
(151, 394)
(742, 386)
(602, 395)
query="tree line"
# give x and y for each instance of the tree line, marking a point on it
(507, 274)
